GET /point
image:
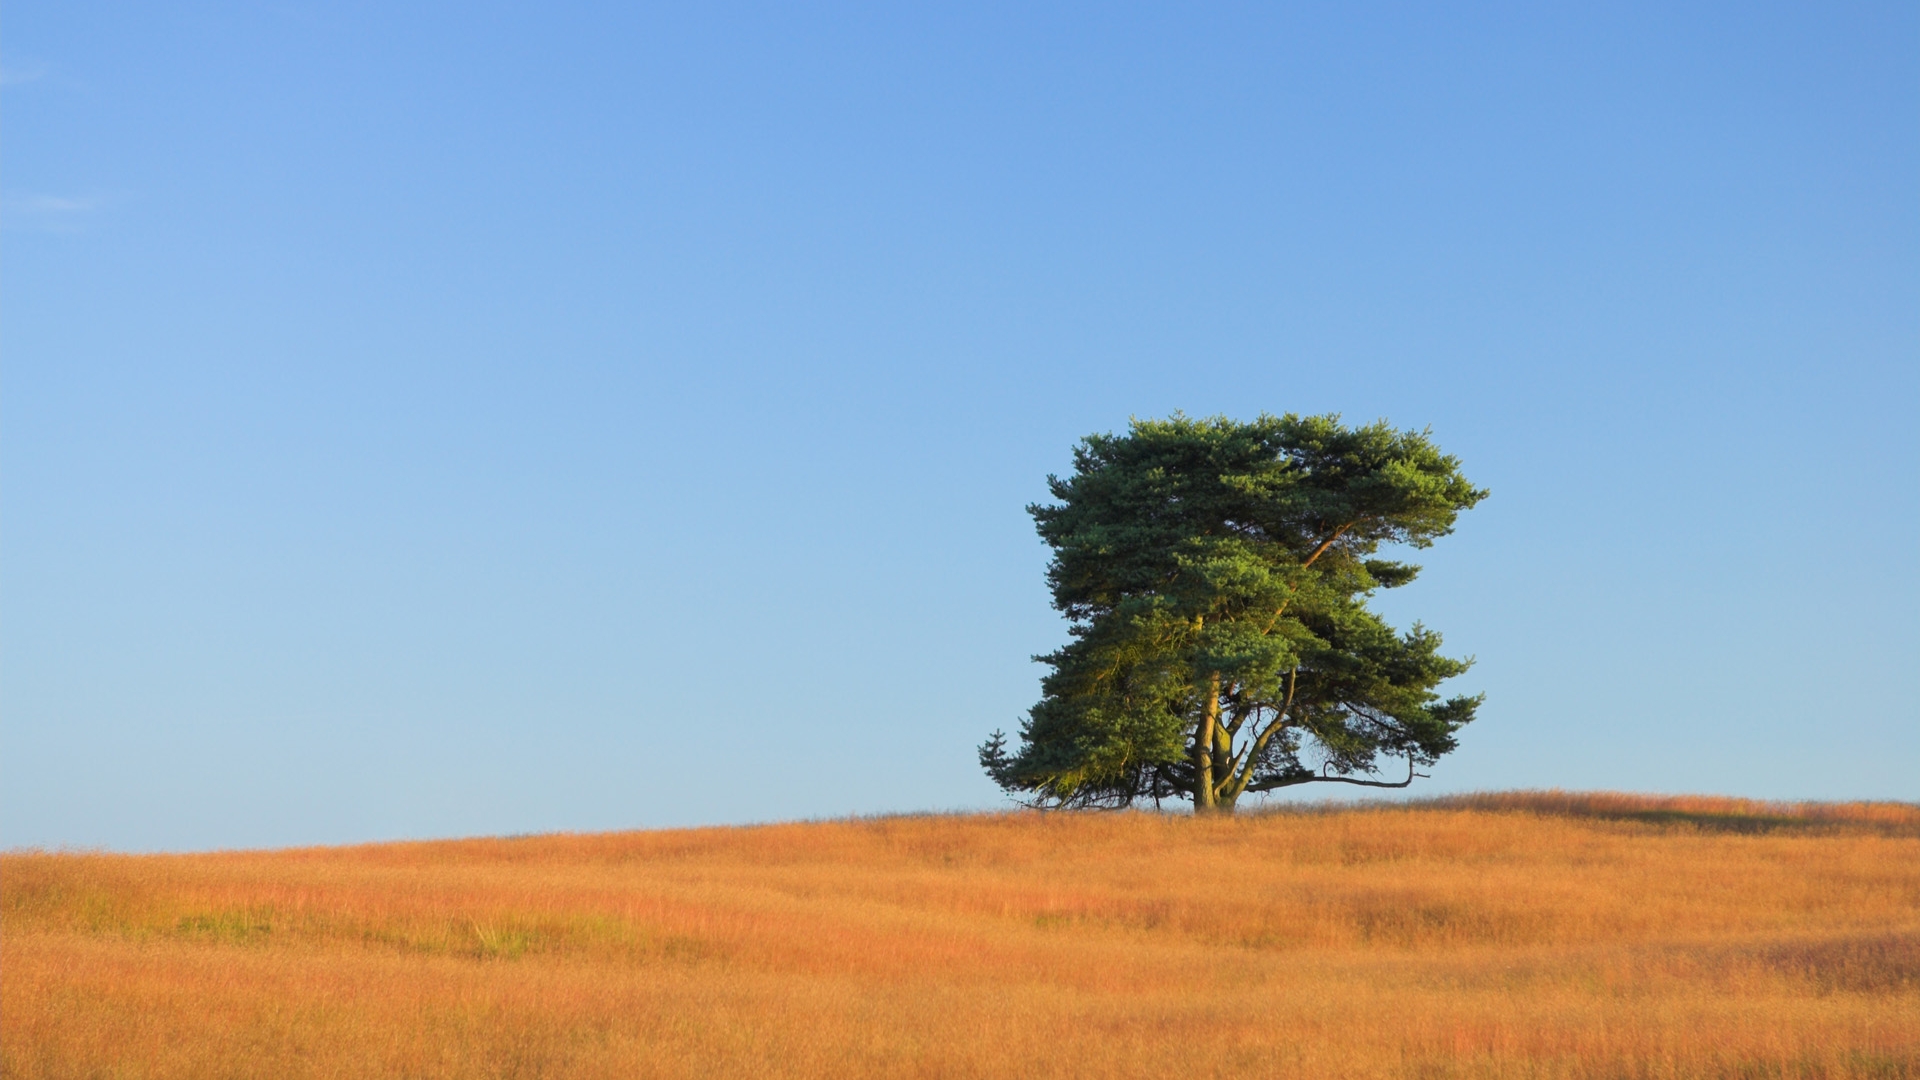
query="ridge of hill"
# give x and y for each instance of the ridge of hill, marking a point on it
(1537, 934)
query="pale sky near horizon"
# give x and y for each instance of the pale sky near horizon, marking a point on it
(431, 419)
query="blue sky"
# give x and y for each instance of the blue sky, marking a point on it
(441, 419)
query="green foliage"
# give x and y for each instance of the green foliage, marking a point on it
(1216, 575)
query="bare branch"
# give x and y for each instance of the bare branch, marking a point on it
(1310, 778)
(1259, 742)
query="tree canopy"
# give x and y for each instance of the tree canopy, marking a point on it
(1216, 575)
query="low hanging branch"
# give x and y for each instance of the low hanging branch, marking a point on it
(1322, 778)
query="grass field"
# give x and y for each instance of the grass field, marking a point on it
(1524, 935)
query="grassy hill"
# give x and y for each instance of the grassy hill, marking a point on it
(1517, 935)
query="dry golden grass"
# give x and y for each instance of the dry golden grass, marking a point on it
(1520, 935)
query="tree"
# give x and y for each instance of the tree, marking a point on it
(1216, 575)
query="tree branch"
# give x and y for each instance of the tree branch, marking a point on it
(1259, 742)
(1317, 552)
(1312, 778)
(1322, 549)
(1237, 715)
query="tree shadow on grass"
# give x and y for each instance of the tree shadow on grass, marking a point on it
(1707, 813)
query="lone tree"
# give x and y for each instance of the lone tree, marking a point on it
(1216, 574)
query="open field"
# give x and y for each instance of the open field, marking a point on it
(1499, 936)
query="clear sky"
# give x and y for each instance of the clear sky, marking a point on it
(441, 419)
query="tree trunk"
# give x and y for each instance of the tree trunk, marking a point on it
(1224, 793)
(1203, 800)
